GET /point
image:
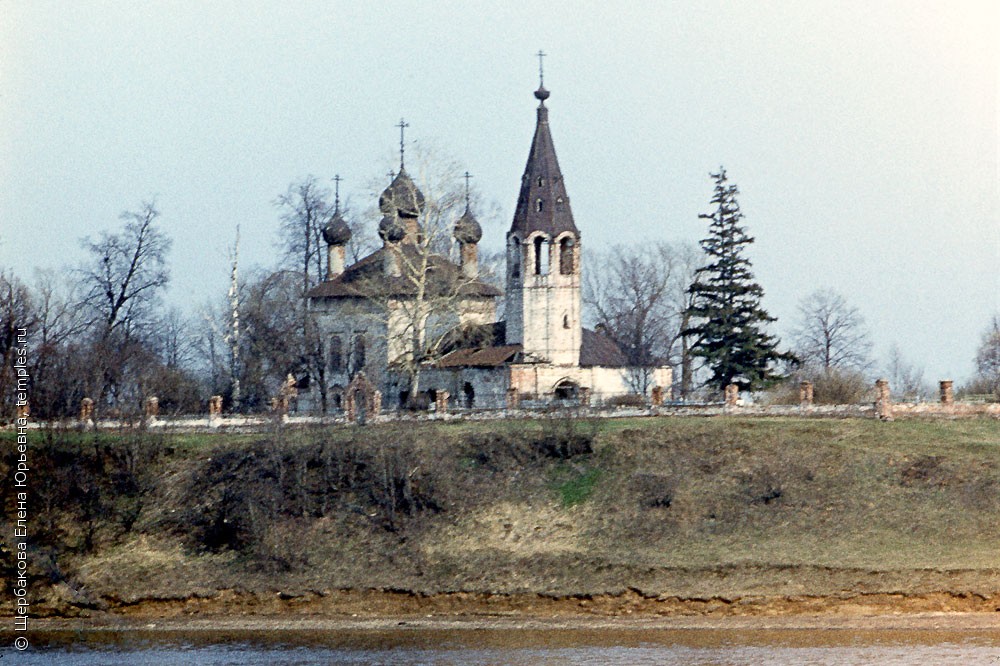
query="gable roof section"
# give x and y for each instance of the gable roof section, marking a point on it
(600, 350)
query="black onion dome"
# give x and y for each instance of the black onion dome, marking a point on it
(336, 232)
(467, 229)
(402, 197)
(389, 229)
(542, 94)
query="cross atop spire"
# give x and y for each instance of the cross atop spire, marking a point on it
(541, 94)
(402, 146)
(467, 176)
(336, 195)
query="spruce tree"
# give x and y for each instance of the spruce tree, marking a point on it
(728, 322)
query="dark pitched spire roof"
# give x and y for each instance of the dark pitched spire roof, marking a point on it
(543, 181)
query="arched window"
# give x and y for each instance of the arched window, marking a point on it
(566, 263)
(541, 256)
(539, 204)
(541, 181)
(565, 321)
(336, 353)
(358, 353)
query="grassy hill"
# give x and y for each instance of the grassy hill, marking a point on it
(689, 509)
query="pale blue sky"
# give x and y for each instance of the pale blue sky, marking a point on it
(863, 135)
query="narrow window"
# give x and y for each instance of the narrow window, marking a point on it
(358, 353)
(565, 321)
(336, 353)
(559, 204)
(541, 256)
(566, 263)
(541, 181)
(539, 205)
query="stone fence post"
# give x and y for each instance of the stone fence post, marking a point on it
(656, 396)
(584, 396)
(947, 392)
(24, 410)
(883, 400)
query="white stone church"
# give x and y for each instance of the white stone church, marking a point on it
(540, 353)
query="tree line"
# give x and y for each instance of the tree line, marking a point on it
(101, 329)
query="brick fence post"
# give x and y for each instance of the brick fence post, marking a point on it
(947, 392)
(656, 396)
(883, 400)
(806, 395)
(441, 402)
(87, 411)
(151, 408)
(732, 395)
(513, 398)
(215, 410)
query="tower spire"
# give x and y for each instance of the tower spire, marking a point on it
(402, 146)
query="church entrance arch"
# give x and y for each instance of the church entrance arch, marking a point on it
(566, 389)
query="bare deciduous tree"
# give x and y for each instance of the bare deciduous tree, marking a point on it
(906, 380)
(305, 210)
(638, 296)
(122, 282)
(988, 358)
(831, 334)
(17, 316)
(126, 272)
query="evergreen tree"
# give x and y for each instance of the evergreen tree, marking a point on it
(728, 322)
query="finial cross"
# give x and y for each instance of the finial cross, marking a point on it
(402, 127)
(541, 71)
(336, 195)
(467, 176)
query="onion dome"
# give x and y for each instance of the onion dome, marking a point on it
(467, 229)
(336, 232)
(390, 229)
(402, 197)
(542, 94)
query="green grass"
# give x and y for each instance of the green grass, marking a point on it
(578, 488)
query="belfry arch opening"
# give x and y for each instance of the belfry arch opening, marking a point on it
(541, 255)
(567, 263)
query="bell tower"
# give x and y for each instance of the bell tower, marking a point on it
(543, 255)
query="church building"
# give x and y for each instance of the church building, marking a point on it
(540, 353)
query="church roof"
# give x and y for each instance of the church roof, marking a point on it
(542, 204)
(600, 350)
(367, 277)
(484, 346)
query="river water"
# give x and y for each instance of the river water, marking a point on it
(700, 647)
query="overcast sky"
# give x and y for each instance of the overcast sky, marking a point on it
(863, 135)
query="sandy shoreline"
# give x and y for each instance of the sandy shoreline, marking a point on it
(881, 622)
